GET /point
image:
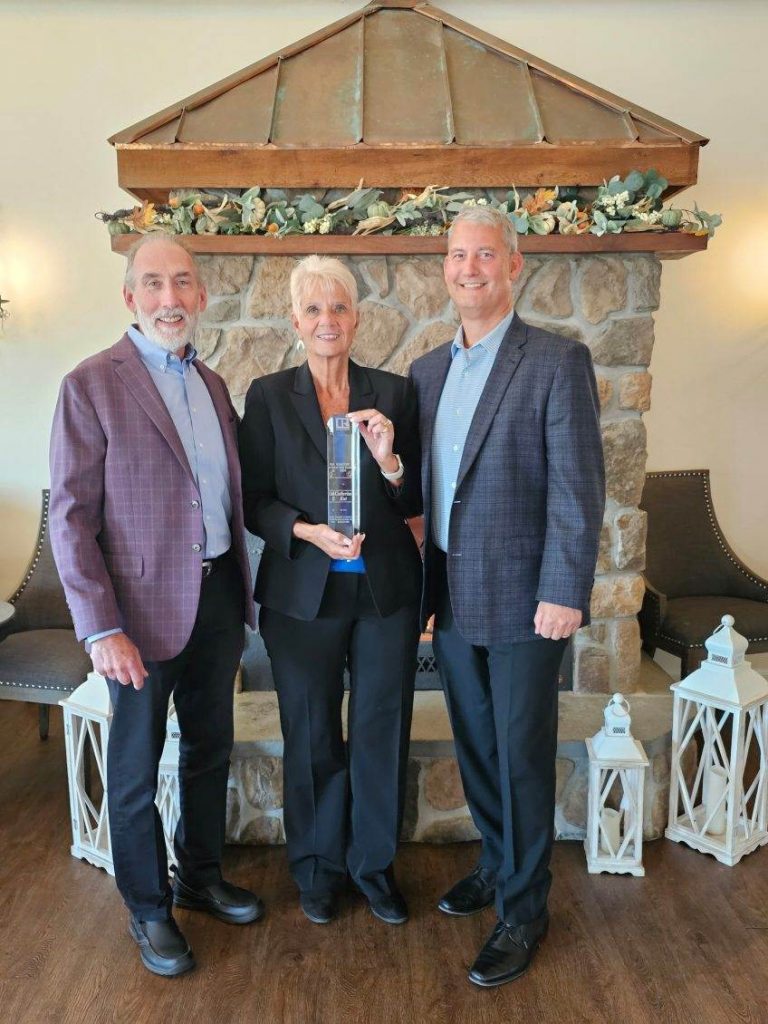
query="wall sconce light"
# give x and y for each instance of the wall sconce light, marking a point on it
(4, 312)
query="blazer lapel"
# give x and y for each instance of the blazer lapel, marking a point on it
(307, 407)
(507, 361)
(136, 377)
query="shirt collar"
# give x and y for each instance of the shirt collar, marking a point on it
(158, 358)
(490, 343)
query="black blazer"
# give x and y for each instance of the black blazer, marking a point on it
(284, 466)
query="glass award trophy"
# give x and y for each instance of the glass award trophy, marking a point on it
(343, 475)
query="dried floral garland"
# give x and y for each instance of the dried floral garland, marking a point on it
(631, 204)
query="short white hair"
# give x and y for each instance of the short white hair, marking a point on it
(490, 217)
(323, 272)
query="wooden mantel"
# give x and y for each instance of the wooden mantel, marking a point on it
(670, 245)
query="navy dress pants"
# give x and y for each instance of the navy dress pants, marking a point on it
(502, 702)
(344, 801)
(201, 679)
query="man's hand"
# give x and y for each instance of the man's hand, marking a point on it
(555, 621)
(117, 657)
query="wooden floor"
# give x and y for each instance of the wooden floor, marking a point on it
(689, 943)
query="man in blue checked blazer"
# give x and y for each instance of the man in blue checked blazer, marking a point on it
(514, 490)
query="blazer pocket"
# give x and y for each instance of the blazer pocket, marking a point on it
(124, 565)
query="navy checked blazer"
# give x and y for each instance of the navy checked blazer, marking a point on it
(529, 500)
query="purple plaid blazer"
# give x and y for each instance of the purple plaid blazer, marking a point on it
(125, 516)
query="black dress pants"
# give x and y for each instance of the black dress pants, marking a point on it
(344, 802)
(502, 702)
(201, 680)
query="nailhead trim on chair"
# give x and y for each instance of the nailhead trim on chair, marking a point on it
(704, 474)
(38, 549)
(672, 640)
(37, 686)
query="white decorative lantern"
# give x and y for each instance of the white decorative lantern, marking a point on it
(614, 840)
(722, 711)
(87, 717)
(87, 720)
(167, 798)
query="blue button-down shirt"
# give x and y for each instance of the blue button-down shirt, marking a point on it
(191, 408)
(467, 377)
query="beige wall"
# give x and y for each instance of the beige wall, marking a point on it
(71, 74)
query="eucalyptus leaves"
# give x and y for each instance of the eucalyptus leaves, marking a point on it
(632, 204)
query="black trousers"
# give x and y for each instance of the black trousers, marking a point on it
(344, 802)
(201, 680)
(502, 702)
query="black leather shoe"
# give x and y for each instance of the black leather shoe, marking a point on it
(508, 952)
(471, 895)
(320, 908)
(390, 909)
(223, 900)
(162, 947)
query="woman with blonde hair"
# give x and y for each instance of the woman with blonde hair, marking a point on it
(330, 602)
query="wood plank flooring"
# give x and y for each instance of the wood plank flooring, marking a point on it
(688, 943)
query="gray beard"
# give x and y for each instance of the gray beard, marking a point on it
(168, 344)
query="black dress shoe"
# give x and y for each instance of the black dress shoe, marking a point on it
(471, 895)
(508, 952)
(319, 907)
(391, 909)
(223, 900)
(162, 947)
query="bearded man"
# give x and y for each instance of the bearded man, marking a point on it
(147, 529)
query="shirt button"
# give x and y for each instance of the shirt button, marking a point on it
(201, 444)
(453, 485)
(196, 547)
(195, 503)
(455, 447)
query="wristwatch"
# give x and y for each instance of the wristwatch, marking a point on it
(398, 473)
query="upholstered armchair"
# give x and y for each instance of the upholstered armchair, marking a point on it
(40, 659)
(692, 576)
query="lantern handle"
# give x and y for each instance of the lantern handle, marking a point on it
(726, 621)
(619, 700)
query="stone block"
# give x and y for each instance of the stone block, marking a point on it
(548, 293)
(270, 293)
(221, 310)
(626, 342)
(411, 806)
(530, 266)
(226, 275)
(206, 340)
(420, 286)
(595, 632)
(592, 670)
(262, 830)
(635, 391)
(625, 455)
(459, 829)
(604, 557)
(378, 274)
(262, 781)
(646, 274)
(442, 785)
(248, 352)
(604, 391)
(573, 805)
(603, 288)
(630, 539)
(430, 337)
(626, 649)
(380, 331)
(564, 769)
(614, 596)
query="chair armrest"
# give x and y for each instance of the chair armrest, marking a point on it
(652, 613)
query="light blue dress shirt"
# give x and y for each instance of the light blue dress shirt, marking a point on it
(191, 408)
(467, 377)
